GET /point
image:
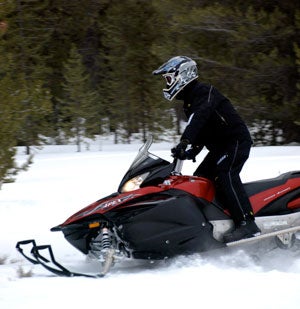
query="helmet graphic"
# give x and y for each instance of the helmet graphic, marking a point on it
(179, 71)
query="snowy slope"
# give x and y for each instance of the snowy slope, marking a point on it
(62, 181)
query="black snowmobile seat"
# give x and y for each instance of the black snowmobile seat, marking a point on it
(255, 187)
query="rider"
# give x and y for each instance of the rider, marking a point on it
(214, 123)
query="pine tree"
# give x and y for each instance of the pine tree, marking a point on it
(247, 51)
(134, 100)
(265, 40)
(24, 41)
(80, 117)
(8, 128)
(70, 22)
(11, 118)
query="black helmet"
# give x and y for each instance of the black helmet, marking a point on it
(178, 72)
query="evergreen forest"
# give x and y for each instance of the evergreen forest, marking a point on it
(81, 68)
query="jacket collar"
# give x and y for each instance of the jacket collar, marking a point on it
(187, 92)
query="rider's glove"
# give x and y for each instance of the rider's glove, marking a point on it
(179, 151)
(193, 152)
(190, 154)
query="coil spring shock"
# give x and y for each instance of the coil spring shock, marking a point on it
(106, 239)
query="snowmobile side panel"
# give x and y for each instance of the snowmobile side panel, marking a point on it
(173, 227)
(213, 211)
(104, 205)
(278, 202)
(269, 196)
(294, 204)
(197, 186)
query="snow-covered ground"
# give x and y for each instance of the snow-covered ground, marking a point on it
(61, 181)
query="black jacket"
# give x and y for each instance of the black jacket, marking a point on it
(212, 120)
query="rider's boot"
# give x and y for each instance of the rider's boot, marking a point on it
(244, 229)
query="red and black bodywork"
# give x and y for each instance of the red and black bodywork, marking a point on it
(170, 214)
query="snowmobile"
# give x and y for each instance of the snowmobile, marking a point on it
(158, 213)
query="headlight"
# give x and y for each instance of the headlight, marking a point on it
(134, 183)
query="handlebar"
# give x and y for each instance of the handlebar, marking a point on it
(178, 166)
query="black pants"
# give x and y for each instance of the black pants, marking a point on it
(223, 166)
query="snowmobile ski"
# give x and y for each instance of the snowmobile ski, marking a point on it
(278, 233)
(59, 270)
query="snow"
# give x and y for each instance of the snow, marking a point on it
(62, 181)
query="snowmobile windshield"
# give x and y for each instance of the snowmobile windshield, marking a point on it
(143, 154)
(146, 168)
